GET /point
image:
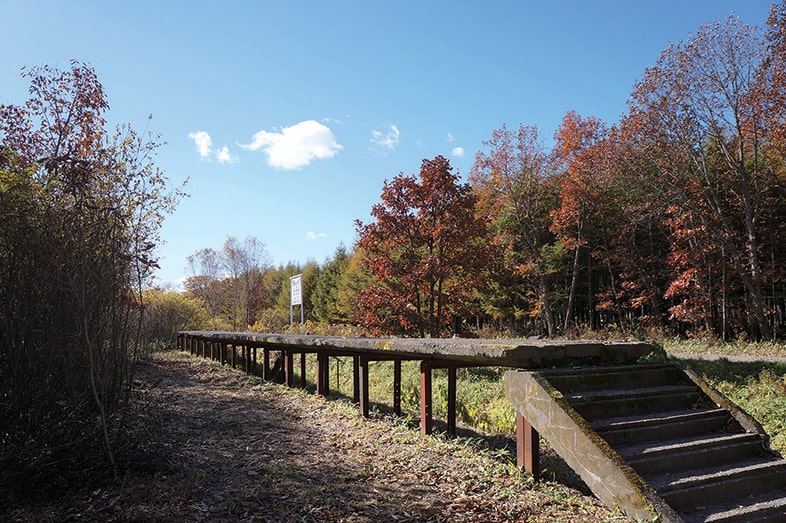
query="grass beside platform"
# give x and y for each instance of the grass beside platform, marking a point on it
(766, 349)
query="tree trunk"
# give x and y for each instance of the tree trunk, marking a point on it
(753, 279)
(439, 308)
(543, 285)
(573, 283)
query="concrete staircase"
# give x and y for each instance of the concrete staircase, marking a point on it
(655, 441)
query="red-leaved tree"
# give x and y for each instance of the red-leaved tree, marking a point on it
(425, 251)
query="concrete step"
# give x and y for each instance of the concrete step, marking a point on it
(646, 427)
(762, 508)
(696, 490)
(597, 404)
(620, 377)
(696, 452)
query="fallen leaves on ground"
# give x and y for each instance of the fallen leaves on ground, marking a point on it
(225, 446)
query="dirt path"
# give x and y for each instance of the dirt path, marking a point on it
(228, 447)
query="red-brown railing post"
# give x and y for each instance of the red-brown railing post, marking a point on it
(289, 368)
(527, 446)
(265, 363)
(302, 370)
(356, 379)
(363, 385)
(397, 387)
(452, 401)
(323, 374)
(426, 401)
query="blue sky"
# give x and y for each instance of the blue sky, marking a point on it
(286, 117)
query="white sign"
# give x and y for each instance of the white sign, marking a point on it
(295, 293)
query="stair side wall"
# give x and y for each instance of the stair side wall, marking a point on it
(601, 468)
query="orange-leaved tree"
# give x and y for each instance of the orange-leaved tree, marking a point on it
(579, 157)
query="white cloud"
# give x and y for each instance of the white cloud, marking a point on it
(203, 142)
(458, 152)
(204, 145)
(224, 156)
(328, 120)
(385, 138)
(450, 137)
(296, 146)
(313, 235)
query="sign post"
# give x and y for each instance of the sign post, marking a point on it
(296, 298)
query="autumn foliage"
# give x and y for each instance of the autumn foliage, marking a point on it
(425, 251)
(673, 219)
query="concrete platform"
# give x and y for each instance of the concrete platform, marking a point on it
(518, 353)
